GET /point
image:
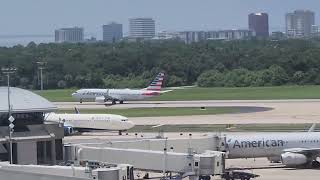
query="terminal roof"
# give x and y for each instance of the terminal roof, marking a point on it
(24, 101)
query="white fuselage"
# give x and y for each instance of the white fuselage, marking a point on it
(269, 144)
(114, 94)
(110, 122)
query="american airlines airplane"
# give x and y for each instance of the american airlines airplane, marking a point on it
(292, 149)
(88, 122)
(121, 95)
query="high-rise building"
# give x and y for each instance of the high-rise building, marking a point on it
(74, 34)
(259, 23)
(112, 32)
(299, 23)
(142, 28)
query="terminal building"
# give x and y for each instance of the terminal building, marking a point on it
(34, 140)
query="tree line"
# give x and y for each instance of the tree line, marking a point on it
(134, 64)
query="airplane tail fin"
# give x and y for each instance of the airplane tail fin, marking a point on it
(156, 83)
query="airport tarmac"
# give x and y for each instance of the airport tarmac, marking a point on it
(270, 171)
(280, 111)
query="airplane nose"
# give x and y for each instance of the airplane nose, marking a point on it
(131, 124)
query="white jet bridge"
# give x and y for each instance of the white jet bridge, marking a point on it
(205, 159)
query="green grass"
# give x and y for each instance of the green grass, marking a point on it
(59, 95)
(247, 93)
(223, 128)
(156, 112)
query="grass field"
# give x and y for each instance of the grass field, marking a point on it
(247, 93)
(223, 128)
(156, 112)
(59, 95)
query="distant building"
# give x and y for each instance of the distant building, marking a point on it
(259, 23)
(165, 35)
(192, 36)
(112, 32)
(72, 35)
(299, 23)
(142, 28)
(277, 35)
(315, 31)
(197, 36)
(233, 34)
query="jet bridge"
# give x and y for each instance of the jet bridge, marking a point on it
(186, 164)
(213, 142)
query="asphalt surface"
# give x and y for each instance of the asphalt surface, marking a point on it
(270, 111)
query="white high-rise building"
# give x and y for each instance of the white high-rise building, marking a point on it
(112, 32)
(299, 23)
(74, 34)
(142, 28)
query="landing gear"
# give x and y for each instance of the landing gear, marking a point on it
(121, 102)
(80, 100)
(120, 133)
(114, 102)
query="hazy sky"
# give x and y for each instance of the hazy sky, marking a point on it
(43, 16)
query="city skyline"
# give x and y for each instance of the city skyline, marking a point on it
(169, 15)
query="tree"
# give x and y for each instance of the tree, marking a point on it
(212, 78)
(278, 75)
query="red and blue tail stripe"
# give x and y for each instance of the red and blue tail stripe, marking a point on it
(156, 83)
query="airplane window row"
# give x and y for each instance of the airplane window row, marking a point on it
(87, 120)
(93, 93)
(310, 141)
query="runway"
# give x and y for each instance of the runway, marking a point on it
(280, 111)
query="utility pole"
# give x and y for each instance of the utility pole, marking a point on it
(41, 66)
(7, 72)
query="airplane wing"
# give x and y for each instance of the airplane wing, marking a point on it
(162, 92)
(313, 127)
(156, 126)
(305, 151)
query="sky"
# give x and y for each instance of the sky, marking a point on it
(42, 17)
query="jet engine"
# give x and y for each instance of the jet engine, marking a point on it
(68, 130)
(293, 159)
(100, 99)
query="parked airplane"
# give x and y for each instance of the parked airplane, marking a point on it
(88, 122)
(292, 149)
(104, 95)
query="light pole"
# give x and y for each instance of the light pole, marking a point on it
(7, 72)
(41, 66)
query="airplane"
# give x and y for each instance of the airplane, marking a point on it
(121, 95)
(292, 149)
(89, 122)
